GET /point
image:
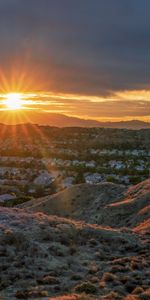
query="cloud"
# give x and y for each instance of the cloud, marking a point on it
(88, 56)
(120, 105)
(88, 47)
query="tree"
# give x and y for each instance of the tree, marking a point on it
(80, 178)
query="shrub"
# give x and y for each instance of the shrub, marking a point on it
(76, 277)
(86, 287)
(130, 286)
(21, 294)
(73, 297)
(130, 297)
(138, 290)
(72, 250)
(94, 279)
(112, 296)
(93, 269)
(108, 277)
(35, 294)
(30, 294)
(145, 295)
(48, 280)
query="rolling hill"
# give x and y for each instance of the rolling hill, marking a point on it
(105, 204)
(68, 256)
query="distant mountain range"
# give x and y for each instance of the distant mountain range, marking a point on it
(65, 121)
(60, 120)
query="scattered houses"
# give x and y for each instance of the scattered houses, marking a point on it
(67, 182)
(74, 156)
(93, 178)
(44, 179)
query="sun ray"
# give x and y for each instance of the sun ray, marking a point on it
(13, 101)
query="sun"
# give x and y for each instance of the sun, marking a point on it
(13, 101)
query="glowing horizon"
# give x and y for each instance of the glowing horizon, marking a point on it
(125, 105)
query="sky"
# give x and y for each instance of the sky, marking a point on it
(85, 58)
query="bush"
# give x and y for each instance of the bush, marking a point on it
(108, 277)
(30, 294)
(138, 290)
(48, 280)
(145, 295)
(112, 296)
(73, 297)
(86, 287)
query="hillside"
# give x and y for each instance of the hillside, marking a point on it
(106, 204)
(69, 256)
(45, 256)
(79, 202)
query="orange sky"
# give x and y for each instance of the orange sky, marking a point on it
(119, 106)
(38, 103)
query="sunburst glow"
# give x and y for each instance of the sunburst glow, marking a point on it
(13, 101)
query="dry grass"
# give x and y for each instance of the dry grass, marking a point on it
(48, 256)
